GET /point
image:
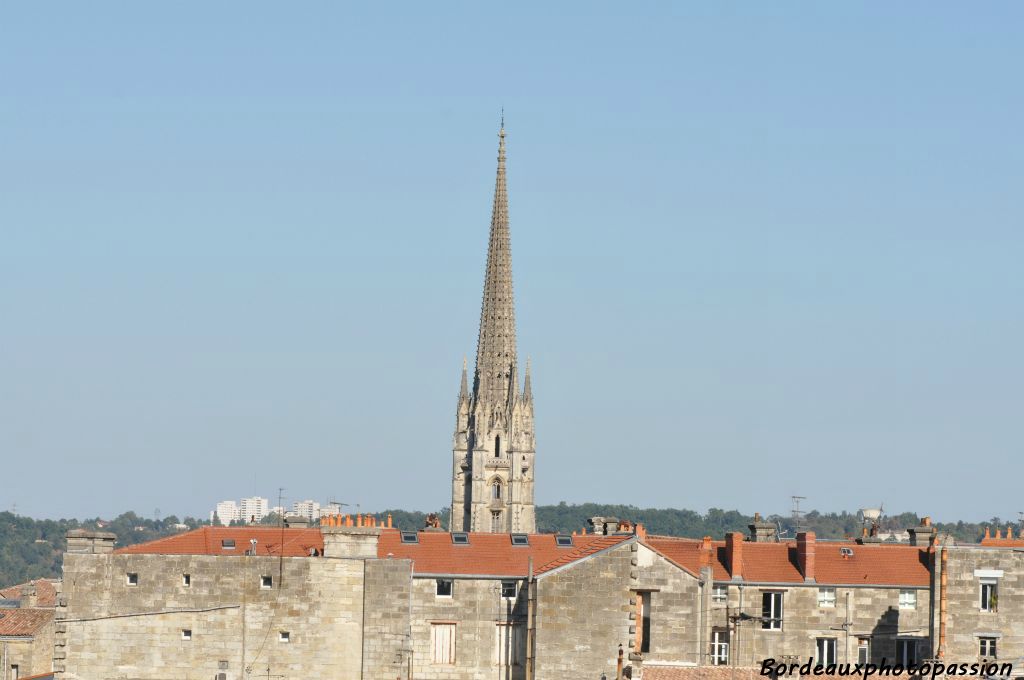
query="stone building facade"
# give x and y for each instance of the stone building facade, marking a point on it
(978, 612)
(379, 603)
(834, 601)
(493, 446)
(26, 642)
(26, 628)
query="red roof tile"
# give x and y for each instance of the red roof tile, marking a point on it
(486, 554)
(1003, 542)
(489, 554)
(894, 565)
(23, 622)
(209, 541)
(46, 592)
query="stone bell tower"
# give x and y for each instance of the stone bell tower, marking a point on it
(493, 452)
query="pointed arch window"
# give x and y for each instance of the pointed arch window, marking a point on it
(496, 490)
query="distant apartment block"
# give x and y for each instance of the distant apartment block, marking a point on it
(308, 509)
(251, 509)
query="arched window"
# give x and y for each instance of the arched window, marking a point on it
(497, 446)
(496, 490)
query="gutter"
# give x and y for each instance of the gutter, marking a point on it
(479, 577)
(819, 584)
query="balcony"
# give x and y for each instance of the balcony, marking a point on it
(497, 464)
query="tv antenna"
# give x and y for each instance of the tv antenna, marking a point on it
(798, 514)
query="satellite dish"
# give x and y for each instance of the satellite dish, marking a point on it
(871, 514)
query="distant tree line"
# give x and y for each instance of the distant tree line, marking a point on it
(31, 548)
(34, 548)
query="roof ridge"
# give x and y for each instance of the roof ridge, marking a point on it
(584, 551)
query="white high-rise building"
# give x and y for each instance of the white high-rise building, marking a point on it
(226, 512)
(254, 509)
(308, 509)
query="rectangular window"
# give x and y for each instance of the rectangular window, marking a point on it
(989, 595)
(266, 582)
(988, 647)
(771, 610)
(863, 650)
(132, 578)
(825, 651)
(284, 636)
(720, 594)
(643, 621)
(510, 644)
(508, 589)
(443, 587)
(719, 647)
(186, 633)
(908, 599)
(906, 652)
(442, 643)
(496, 521)
(186, 580)
(826, 597)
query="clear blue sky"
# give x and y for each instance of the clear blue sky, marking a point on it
(760, 249)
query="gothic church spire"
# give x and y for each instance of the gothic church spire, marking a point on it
(496, 344)
(493, 449)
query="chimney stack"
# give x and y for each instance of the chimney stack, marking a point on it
(296, 521)
(352, 542)
(706, 554)
(805, 542)
(762, 531)
(922, 534)
(90, 542)
(734, 554)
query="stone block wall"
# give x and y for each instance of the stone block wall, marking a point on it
(966, 622)
(583, 615)
(872, 612)
(386, 632)
(32, 656)
(108, 628)
(675, 608)
(480, 614)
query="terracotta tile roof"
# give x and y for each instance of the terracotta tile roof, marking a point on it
(489, 554)
(46, 592)
(885, 565)
(209, 541)
(1002, 542)
(892, 565)
(23, 622)
(486, 554)
(653, 672)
